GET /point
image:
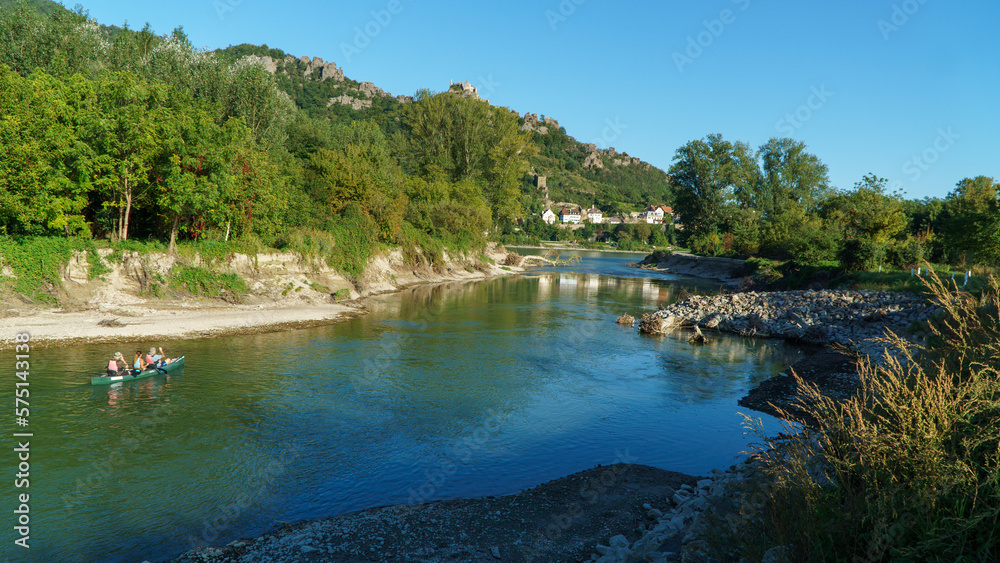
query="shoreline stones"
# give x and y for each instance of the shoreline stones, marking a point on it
(680, 533)
(850, 318)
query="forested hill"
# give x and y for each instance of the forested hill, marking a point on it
(120, 133)
(575, 172)
(46, 7)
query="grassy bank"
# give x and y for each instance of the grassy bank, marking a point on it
(909, 470)
(779, 275)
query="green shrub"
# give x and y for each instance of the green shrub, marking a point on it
(37, 263)
(310, 243)
(862, 254)
(658, 256)
(202, 281)
(355, 236)
(97, 265)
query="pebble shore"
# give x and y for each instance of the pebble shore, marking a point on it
(854, 319)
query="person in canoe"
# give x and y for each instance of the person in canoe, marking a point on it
(157, 359)
(117, 365)
(152, 358)
(139, 363)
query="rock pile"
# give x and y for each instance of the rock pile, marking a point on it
(850, 318)
(681, 528)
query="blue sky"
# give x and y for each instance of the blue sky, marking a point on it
(905, 89)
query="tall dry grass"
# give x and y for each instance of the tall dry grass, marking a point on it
(908, 470)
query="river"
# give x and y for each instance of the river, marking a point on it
(456, 390)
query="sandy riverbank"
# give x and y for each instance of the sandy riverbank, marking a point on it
(54, 327)
(284, 294)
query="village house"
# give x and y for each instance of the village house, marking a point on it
(595, 215)
(549, 217)
(653, 214)
(571, 215)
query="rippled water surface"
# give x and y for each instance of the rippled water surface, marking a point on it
(464, 389)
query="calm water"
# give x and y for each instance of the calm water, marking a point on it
(456, 390)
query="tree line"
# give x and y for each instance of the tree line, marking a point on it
(120, 133)
(777, 202)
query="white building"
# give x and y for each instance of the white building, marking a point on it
(549, 217)
(570, 215)
(653, 214)
(595, 215)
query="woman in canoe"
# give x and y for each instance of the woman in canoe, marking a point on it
(139, 363)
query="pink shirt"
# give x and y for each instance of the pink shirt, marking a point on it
(113, 365)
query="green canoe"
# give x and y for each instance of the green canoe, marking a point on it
(173, 366)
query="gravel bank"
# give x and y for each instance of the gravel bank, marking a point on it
(843, 325)
(561, 520)
(853, 319)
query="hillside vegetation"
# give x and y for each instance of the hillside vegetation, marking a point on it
(118, 133)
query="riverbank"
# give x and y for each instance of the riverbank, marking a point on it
(841, 325)
(285, 292)
(561, 520)
(727, 270)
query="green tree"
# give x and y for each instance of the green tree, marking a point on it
(467, 139)
(971, 222)
(45, 171)
(199, 172)
(361, 172)
(791, 176)
(61, 42)
(126, 129)
(872, 219)
(710, 175)
(251, 93)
